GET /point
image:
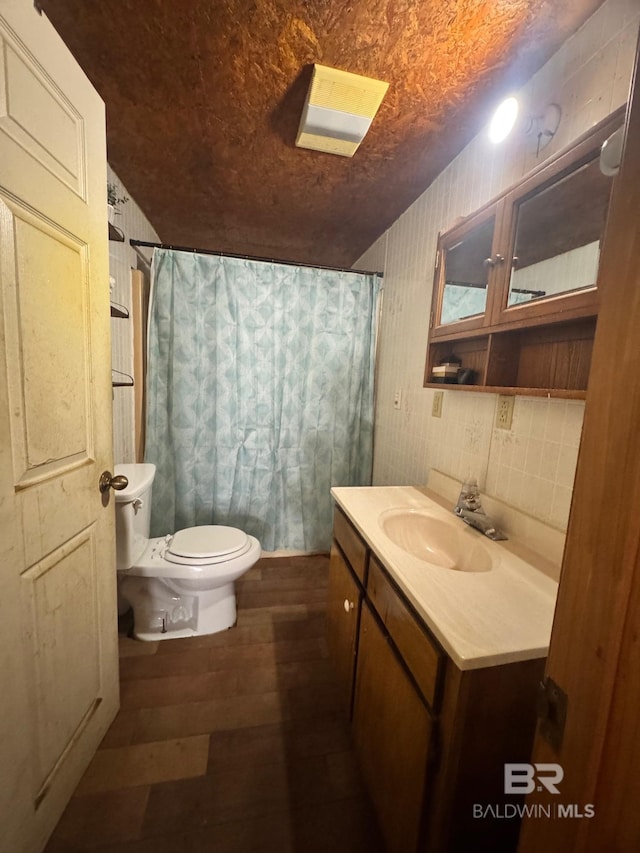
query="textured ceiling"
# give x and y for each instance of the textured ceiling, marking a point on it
(204, 99)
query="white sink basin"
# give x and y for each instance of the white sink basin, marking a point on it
(448, 544)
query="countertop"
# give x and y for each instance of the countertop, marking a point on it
(480, 618)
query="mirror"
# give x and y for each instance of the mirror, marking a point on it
(558, 233)
(466, 274)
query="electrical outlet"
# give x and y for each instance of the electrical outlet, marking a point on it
(397, 399)
(436, 408)
(504, 412)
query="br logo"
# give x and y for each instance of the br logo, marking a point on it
(525, 778)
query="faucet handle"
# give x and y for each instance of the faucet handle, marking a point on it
(470, 496)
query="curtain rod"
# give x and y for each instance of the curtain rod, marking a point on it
(141, 255)
(148, 245)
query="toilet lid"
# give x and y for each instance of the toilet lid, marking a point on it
(208, 542)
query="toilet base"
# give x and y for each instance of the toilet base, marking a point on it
(162, 610)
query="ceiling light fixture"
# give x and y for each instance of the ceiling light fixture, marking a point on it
(338, 111)
(543, 127)
(503, 120)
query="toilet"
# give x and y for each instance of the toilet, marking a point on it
(182, 584)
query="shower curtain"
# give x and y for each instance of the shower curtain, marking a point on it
(259, 395)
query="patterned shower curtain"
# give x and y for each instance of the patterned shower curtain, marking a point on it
(259, 394)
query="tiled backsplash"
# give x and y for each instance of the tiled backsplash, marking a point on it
(532, 466)
(459, 440)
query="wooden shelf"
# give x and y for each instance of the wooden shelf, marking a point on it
(120, 379)
(551, 360)
(115, 234)
(563, 393)
(119, 311)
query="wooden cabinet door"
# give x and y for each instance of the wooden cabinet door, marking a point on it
(343, 607)
(392, 731)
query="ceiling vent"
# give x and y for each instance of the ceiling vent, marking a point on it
(339, 109)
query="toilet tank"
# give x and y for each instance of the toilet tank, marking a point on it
(133, 513)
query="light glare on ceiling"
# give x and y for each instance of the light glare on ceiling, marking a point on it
(503, 120)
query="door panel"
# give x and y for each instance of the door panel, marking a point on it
(58, 634)
(61, 593)
(44, 512)
(50, 397)
(52, 134)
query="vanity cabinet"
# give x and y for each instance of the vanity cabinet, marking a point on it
(392, 730)
(343, 613)
(515, 297)
(420, 652)
(431, 739)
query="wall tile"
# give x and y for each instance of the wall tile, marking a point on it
(559, 515)
(549, 461)
(572, 432)
(566, 468)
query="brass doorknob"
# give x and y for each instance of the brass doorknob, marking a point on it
(107, 481)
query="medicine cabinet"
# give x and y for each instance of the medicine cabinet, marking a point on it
(515, 300)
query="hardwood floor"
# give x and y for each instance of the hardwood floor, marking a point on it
(231, 743)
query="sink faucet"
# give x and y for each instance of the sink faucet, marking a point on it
(470, 510)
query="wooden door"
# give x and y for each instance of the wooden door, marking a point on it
(58, 631)
(595, 654)
(392, 731)
(343, 610)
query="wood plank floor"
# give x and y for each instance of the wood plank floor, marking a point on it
(231, 743)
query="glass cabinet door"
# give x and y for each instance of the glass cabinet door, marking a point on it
(558, 233)
(466, 264)
(554, 244)
(466, 274)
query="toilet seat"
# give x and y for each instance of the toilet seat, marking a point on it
(206, 545)
(158, 562)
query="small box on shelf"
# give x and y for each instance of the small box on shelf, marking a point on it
(447, 372)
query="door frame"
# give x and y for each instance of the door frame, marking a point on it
(594, 654)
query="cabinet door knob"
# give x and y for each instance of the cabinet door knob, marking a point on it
(348, 605)
(489, 262)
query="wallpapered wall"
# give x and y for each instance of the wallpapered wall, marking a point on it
(532, 466)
